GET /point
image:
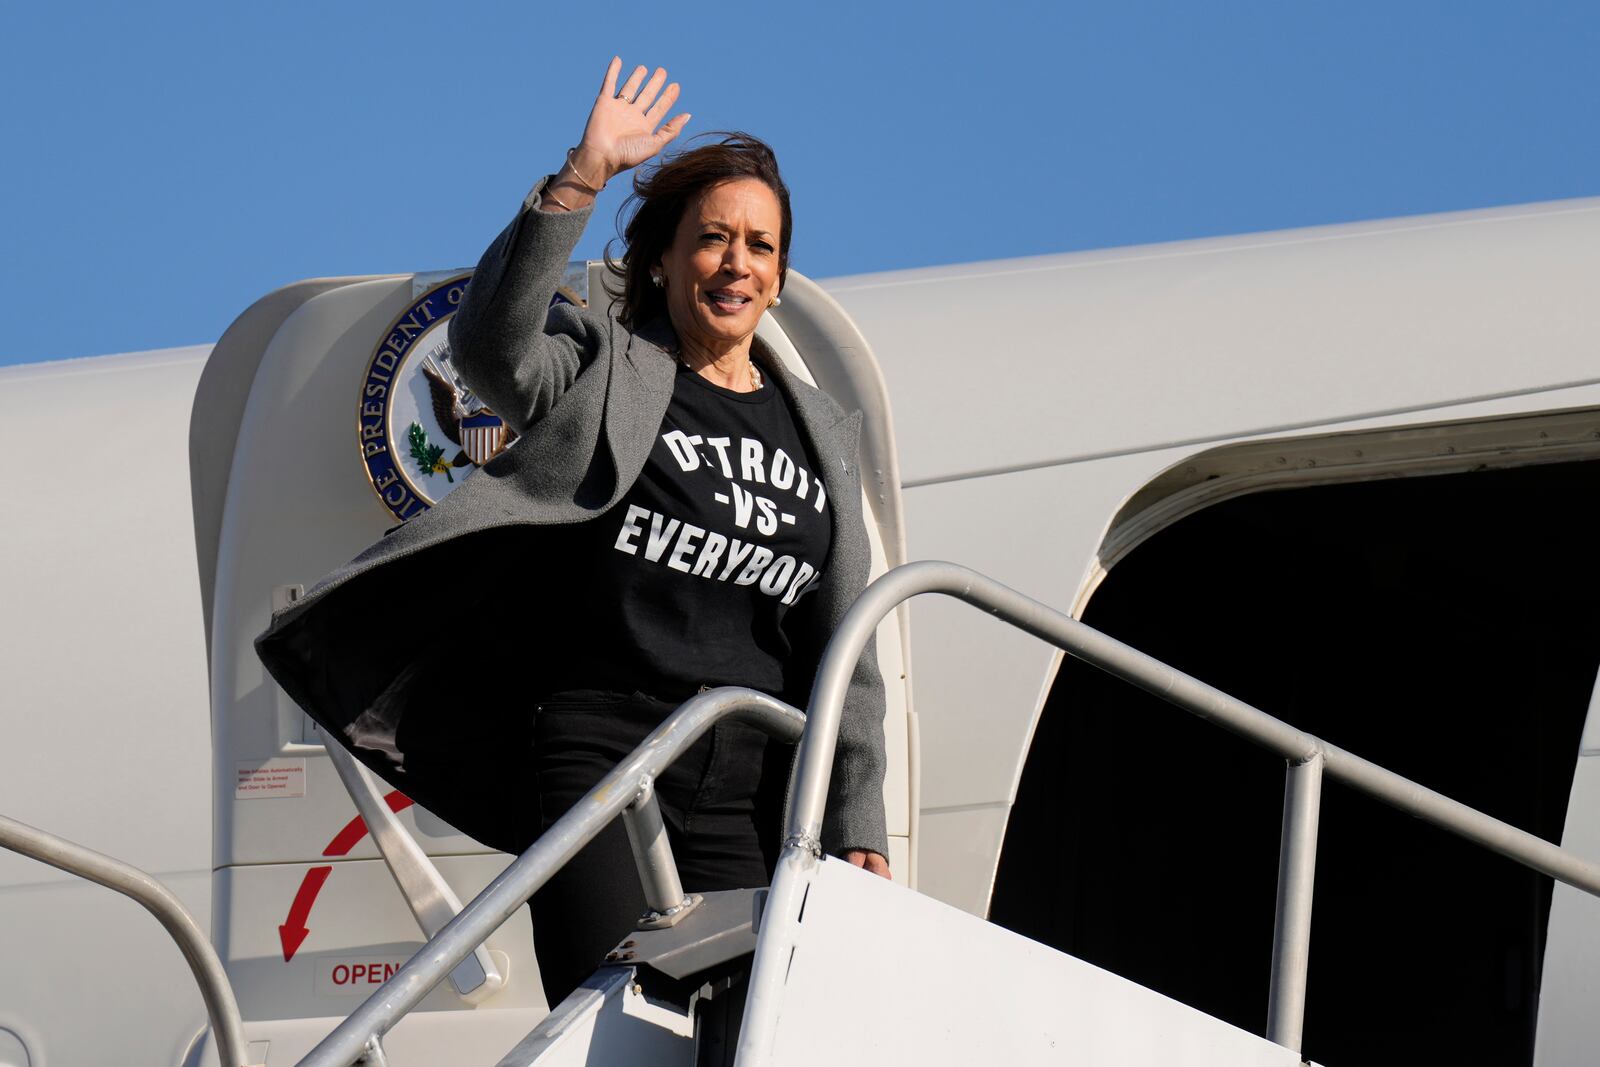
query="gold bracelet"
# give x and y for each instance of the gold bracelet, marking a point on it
(584, 182)
(550, 193)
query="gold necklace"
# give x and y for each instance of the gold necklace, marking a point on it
(755, 374)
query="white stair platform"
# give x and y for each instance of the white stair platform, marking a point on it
(880, 974)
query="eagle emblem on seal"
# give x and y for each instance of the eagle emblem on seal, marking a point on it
(479, 433)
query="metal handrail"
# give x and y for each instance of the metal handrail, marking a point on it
(1308, 757)
(157, 899)
(628, 790)
(361, 1033)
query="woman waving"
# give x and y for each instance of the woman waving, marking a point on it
(678, 513)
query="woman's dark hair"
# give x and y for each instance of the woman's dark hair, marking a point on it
(649, 218)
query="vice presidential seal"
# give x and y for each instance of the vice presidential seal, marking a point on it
(421, 429)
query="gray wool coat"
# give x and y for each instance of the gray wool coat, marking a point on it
(587, 396)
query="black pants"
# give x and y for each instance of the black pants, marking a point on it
(721, 801)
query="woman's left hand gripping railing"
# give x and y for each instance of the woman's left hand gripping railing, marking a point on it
(158, 900)
(628, 786)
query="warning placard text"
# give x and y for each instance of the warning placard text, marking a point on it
(262, 779)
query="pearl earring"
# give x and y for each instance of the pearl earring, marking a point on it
(658, 280)
(775, 302)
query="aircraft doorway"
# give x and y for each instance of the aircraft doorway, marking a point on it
(1447, 627)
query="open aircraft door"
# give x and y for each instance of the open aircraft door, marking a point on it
(297, 463)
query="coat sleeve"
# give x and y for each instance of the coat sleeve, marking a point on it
(855, 816)
(517, 352)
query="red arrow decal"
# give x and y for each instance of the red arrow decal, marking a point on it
(356, 828)
(293, 932)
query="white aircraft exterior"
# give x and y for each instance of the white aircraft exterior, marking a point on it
(1058, 422)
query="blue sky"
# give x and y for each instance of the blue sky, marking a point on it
(167, 164)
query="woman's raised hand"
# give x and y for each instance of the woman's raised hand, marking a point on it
(625, 127)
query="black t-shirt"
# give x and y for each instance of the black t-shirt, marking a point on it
(687, 580)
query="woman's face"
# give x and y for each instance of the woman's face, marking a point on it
(721, 270)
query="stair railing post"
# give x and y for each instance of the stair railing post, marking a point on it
(1297, 870)
(652, 853)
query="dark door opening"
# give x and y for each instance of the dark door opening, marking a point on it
(1444, 627)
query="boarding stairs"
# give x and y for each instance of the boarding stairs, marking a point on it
(829, 962)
